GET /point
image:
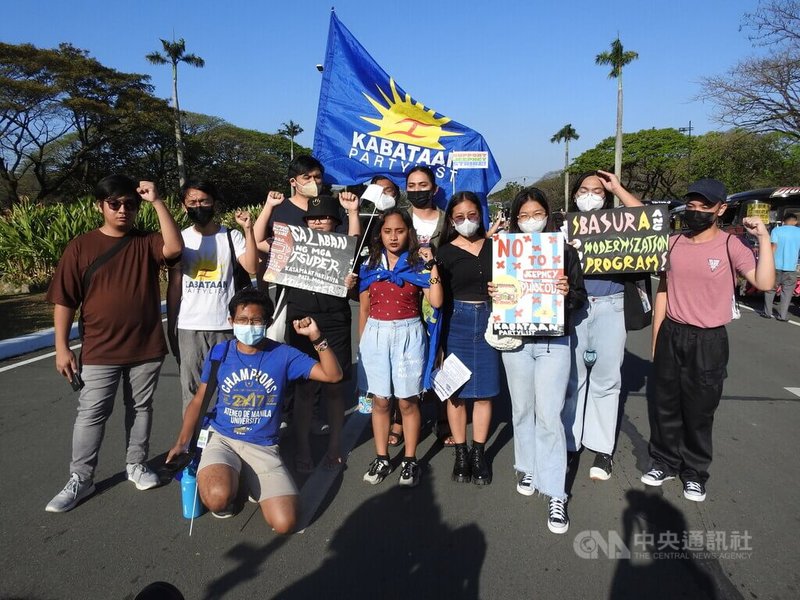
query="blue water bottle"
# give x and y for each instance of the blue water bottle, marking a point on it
(192, 507)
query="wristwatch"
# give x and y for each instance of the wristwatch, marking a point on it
(431, 263)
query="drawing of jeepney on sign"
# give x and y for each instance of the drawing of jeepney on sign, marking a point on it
(525, 269)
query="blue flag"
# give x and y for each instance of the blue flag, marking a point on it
(368, 125)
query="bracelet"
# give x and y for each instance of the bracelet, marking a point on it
(434, 280)
(322, 346)
(318, 340)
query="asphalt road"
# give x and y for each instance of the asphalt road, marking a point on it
(439, 540)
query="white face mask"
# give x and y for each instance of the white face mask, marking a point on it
(589, 201)
(467, 228)
(384, 202)
(532, 225)
(309, 190)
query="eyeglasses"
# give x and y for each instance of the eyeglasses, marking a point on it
(461, 218)
(538, 215)
(318, 219)
(243, 321)
(129, 205)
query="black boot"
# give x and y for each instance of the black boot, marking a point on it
(462, 471)
(480, 468)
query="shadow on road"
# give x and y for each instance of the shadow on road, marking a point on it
(376, 553)
(659, 567)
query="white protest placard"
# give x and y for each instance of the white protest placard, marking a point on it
(450, 377)
(461, 159)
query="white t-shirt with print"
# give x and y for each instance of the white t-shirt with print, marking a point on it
(207, 282)
(425, 229)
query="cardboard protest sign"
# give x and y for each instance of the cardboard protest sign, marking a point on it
(620, 240)
(310, 260)
(526, 268)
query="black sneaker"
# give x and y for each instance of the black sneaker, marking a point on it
(694, 491)
(462, 470)
(409, 473)
(656, 477)
(601, 468)
(481, 475)
(378, 471)
(558, 520)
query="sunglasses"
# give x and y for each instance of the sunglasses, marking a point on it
(129, 205)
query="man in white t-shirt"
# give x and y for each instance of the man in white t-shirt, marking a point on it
(201, 285)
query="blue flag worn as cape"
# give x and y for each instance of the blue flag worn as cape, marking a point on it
(401, 273)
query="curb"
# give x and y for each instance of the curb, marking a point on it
(45, 338)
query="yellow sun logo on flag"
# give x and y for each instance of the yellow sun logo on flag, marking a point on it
(403, 120)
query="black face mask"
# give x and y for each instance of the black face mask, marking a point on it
(698, 221)
(201, 215)
(420, 199)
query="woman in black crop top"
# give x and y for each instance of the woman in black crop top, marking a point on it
(466, 268)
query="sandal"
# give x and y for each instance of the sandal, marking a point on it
(303, 465)
(332, 463)
(395, 438)
(442, 431)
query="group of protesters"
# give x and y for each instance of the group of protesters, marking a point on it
(425, 291)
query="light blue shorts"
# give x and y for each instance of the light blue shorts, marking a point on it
(391, 357)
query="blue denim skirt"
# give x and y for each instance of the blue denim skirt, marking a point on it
(464, 338)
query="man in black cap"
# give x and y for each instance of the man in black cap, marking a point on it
(693, 304)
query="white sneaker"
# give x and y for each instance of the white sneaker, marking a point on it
(525, 485)
(142, 477)
(68, 498)
(655, 477)
(557, 520)
(694, 490)
(229, 512)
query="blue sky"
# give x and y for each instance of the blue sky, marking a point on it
(514, 71)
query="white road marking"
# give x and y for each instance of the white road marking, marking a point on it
(793, 390)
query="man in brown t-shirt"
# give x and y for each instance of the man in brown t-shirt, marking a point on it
(123, 339)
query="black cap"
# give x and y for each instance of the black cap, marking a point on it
(323, 206)
(711, 190)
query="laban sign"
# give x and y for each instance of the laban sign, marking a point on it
(526, 269)
(310, 259)
(620, 240)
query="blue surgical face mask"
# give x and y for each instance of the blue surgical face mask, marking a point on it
(250, 335)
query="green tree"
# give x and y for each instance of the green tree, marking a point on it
(565, 134)
(245, 164)
(762, 93)
(58, 109)
(745, 160)
(291, 130)
(174, 53)
(653, 165)
(618, 57)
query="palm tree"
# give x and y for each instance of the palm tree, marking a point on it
(565, 134)
(174, 53)
(617, 58)
(291, 130)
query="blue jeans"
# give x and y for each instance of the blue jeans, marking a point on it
(537, 374)
(591, 419)
(96, 403)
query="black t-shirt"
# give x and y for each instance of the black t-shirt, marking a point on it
(289, 213)
(465, 275)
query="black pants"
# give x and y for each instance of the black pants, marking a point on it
(688, 370)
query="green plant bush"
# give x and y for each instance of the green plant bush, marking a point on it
(33, 236)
